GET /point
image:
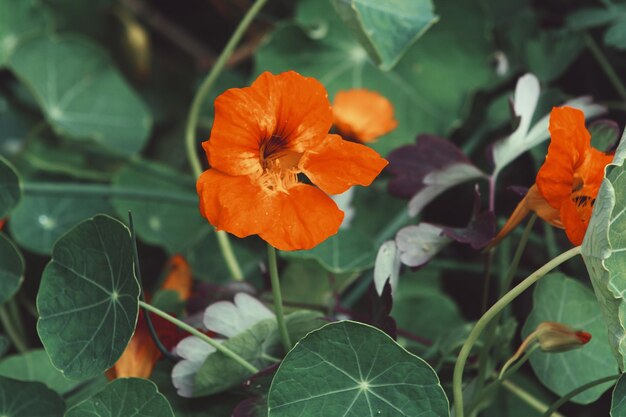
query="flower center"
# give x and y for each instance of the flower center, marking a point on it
(279, 163)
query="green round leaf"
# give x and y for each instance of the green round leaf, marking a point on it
(18, 21)
(604, 251)
(561, 299)
(28, 399)
(125, 397)
(170, 224)
(618, 399)
(10, 190)
(354, 370)
(81, 93)
(39, 220)
(11, 269)
(88, 298)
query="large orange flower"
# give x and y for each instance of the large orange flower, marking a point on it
(568, 182)
(265, 140)
(363, 115)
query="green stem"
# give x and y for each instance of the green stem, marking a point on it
(107, 191)
(229, 256)
(517, 256)
(605, 65)
(528, 398)
(207, 84)
(218, 346)
(278, 298)
(12, 332)
(457, 378)
(555, 406)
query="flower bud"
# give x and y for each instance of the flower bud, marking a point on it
(557, 337)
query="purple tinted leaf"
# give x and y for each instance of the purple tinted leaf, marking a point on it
(477, 234)
(411, 163)
(380, 311)
(518, 189)
(250, 407)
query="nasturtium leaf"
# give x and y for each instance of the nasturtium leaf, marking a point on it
(354, 370)
(88, 298)
(604, 251)
(10, 189)
(125, 397)
(618, 399)
(387, 29)
(424, 87)
(11, 269)
(309, 282)
(173, 225)
(81, 93)
(19, 21)
(558, 298)
(347, 251)
(39, 220)
(35, 365)
(28, 399)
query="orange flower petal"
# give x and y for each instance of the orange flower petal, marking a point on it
(570, 140)
(302, 219)
(362, 114)
(234, 203)
(139, 357)
(286, 106)
(336, 165)
(575, 223)
(2, 221)
(179, 278)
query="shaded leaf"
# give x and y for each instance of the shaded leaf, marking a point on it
(10, 189)
(352, 369)
(19, 21)
(81, 93)
(387, 30)
(618, 399)
(590, 17)
(604, 134)
(11, 269)
(615, 35)
(88, 298)
(28, 399)
(557, 298)
(125, 397)
(552, 52)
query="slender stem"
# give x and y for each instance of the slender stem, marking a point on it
(205, 88)
(229, 256)
(605, 65)
(487, 279)
(550, 240)
(457, 378)
(399, 220)
(555, 406)
(12, 332)
(278, 298)
(107, 191)
(528, 398)
(517, 256)
(218, 346)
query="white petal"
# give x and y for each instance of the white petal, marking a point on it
(418, 244)
(230, 319)
(194, 349)
(387, 266)
(184, 376)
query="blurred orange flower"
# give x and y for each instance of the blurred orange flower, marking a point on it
(141, 354)
(362, 115)
(265, 139)
(2, 221)
(568, 182)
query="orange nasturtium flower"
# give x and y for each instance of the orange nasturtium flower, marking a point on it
(567, 184)
(362, 115)
(265, 140)
(141, 354)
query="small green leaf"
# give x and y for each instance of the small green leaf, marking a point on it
(28, 399)
(88, 298)
(172, 225)
(19, 21)
(35, 365)
(615, 35)
(125, 397)
(604, 251)
(561, 299)
(618, 399)
(347, 251)
(354, 370)
(81, 93)
(552, 52)
(10, 190)
(11, 269)
(39, 220)
(387, 29)
(604, 134)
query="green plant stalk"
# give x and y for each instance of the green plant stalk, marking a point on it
(528, 398)
(555, 406)
(192, 123)
(218, 346)
(278, 298)
(12, 332)
(605, 65)
(457, 378)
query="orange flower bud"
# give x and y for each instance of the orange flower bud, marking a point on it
(557, 337)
